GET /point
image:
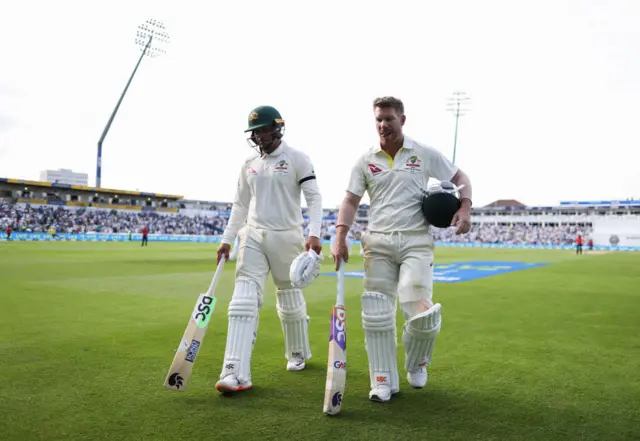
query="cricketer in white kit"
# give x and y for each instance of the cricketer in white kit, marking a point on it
(268, 198)
(398, 247)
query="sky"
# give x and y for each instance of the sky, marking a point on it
(554, 89)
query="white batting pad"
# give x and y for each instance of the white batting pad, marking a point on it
(242, 330)
(379, 324)
(419, 337)
(305, 268)
(292, 310)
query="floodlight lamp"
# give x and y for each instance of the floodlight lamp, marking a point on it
(153, 37)
(457, 103)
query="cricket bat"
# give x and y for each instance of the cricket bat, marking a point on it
(180, 371)
(337, 365)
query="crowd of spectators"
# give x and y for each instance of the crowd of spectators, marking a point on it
(32, 218)
(518, 233)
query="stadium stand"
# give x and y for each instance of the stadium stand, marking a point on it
(31, 207)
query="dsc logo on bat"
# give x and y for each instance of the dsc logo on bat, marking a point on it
(203, 307)
(340, 317)
(203, 310)
(338, 328)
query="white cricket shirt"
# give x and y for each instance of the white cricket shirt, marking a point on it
(268, 194)
(395, 184)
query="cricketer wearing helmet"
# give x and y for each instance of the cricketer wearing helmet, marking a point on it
(398, 247)
(268, 199)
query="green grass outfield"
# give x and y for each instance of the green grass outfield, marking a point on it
(88, 331)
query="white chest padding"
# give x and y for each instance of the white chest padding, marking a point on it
(379, 324)
(292, 310)
(419, 337)
(242, 330)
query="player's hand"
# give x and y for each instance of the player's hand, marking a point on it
(340, 252)
(462, 220)
(313, 243)
(224, 251)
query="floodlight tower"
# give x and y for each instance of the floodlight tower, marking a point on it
(152, 37)
(458, 104)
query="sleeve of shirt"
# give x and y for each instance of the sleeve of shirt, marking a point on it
(314, 202)
(304, 169)
(239, 209)
(440, 167)
(357, 181)
(309, 185)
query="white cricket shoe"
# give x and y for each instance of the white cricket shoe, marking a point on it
(296, 364)
(418, 379)
(230, 383)
(381, 393)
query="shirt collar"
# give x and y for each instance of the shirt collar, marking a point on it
(278, 151)
(407, 143)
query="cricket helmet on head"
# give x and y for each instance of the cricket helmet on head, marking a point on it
(264, 116)
(440, 202)
(261, 117)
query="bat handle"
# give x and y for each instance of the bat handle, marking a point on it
(340, 300)
(216, 276)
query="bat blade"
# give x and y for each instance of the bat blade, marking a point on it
(337, 365)
(180, 370)
(177, 378)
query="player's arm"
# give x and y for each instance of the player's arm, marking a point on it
(309, 186)
(444, 170)
(347, 214)
(466, 193)
(239, 209)
(350, 203)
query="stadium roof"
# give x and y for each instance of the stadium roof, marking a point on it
(506, 203)
(86, 188)
(611, 203)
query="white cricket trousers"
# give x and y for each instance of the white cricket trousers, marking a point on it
(262, 251)
(399, 264)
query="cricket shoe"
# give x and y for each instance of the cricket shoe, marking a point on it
(381, 393)
(230, 383)
(418, 379)
(296, 364)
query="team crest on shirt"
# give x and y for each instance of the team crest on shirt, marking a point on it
(281, 167)
(251, 171)
(413, 164)
(374, 169)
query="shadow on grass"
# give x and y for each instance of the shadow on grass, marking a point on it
(434, 414)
